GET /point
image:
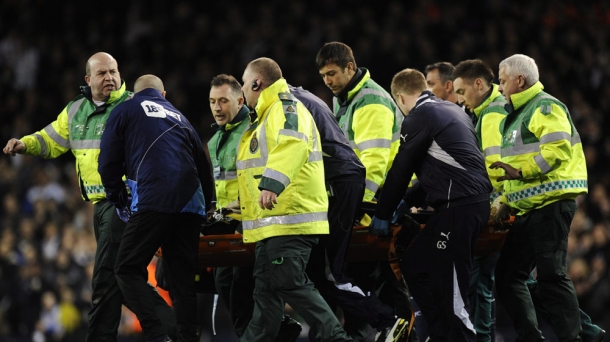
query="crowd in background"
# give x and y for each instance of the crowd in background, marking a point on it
(46, 236)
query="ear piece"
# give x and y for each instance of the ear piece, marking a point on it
(256, 85)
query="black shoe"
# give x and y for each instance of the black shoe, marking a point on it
(395, 332)
(600, 336)
(290, 330)
(161, 339)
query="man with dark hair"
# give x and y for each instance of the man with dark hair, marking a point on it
(234, 284)
(370, 121)
(438, 142)
(472, 81)
(284, 204)
(440, 82)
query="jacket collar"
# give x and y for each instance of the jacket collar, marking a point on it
(489, 99)
(241, 115)
(518, 100)
(355, 84)
(270, 95)
(114, 95)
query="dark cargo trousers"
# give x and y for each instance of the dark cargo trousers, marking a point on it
(327, 266)
(589, 330)
(106, 299)
(539, 239)
(279, 273)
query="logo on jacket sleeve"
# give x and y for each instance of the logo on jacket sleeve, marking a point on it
(254, 144)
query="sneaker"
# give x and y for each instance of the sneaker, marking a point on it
(600, 336)
(290, 330)
(395, 333)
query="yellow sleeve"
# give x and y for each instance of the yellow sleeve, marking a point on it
(491, 141)
(554, 131)
(52, 141)
(372, 126)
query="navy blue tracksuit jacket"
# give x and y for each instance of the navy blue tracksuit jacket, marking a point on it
(167, 169)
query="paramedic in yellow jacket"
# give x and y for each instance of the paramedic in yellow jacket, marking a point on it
(79, 129)
(284, 204)
(367, 114)
(545, 171)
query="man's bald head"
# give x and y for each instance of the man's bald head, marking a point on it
(98, 58)
(148, 81)
(267, 69)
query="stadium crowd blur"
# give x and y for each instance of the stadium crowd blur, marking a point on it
(46, 236)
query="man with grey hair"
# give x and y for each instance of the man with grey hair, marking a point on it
(544, 171)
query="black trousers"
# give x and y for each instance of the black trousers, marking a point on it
(438, 266)
(107, 299)
(539, 239)
(178, 236)
(329, 260)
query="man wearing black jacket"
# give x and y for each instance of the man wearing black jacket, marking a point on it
(345, 175)
(439, 145)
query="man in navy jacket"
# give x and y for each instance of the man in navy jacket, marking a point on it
(439, 145)
(156, 148)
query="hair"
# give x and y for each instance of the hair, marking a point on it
(445, 69)
(267, 69)
(519, 64)
(472, 69)
(335, 53)
(222, 79)
(409, 81)
(148, 81)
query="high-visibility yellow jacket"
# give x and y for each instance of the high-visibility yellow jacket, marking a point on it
(79, 128)
(490, 114)
(281, 152)
(371, 122)
(540, 139)
(223, 152)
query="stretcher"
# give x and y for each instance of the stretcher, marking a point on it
(229, 250)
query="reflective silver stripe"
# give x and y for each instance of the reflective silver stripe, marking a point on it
(368, 91)
(459, 308)
(521, 149)
(542, 164)
(250, 163)
(436, 152)
(491, 150)
(374, 143)
(286, 219)
(353, 145)
(315, 156)
(396, 136)
(262, 144)
(56, 137)
(497, 103)
(44, 149)
(276, 175)
(575, 139)
(227, 175)
(370, 185)
(85, 144)
(294, 134)
(73, 109)
(555, 136)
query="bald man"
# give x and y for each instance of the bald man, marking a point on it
(150, 142)
(79, 128)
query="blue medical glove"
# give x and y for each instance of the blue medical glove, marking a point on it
(401, 210)
(379, 227)
(125, 212)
